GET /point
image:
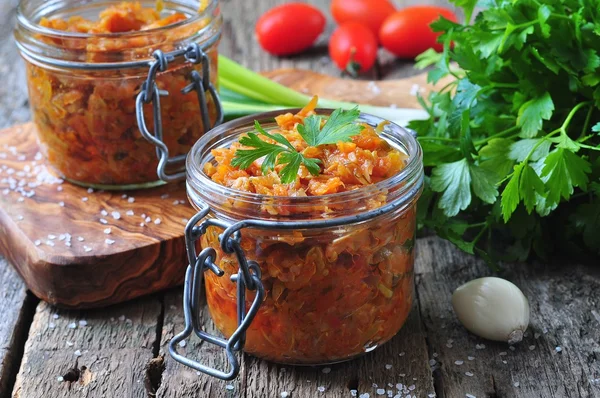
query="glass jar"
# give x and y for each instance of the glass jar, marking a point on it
(106, 104)
(323, 279)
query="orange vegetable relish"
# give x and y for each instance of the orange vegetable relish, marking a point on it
(86, 120)
(332, 293)
(345, 166)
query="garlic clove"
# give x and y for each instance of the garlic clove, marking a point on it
(492, 308)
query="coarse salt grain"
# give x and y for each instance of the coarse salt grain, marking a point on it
(59, 188)
(380, 391)
(116, 215)
(37, 242)
(536, 336)
(364, 395)
(558, 349)
(20, 200)
(432, 362)
(109, 241)
(469, 374)
(157, 221)
(130, 213)
(124, 196)
(321, 389)
(412, 387)
(104, 213)
(50, 243)
(84, 199)
(87, 249)
(402, 354)
(531, 347)
(69, 344)
(80, 238)
(388, 366)
(284, 394)
(90, 190)
(431, 395)
(326, 370)
(516, 384)
(148, 219)
(122, 318)
(175, 202)
(103, 221)
(107, 231)
(512, 348)
(470, 396)
(182, 343)
(229, 387)
(354, 393)
(51, 237)
(458, 362)
(60, 379)
(72, 325)
(142, 224)
(131, 200)
(503, 353)
(51, 325)
(61, 204)
(83, 322)
(470, 358)
(164, 196)
(480, 346)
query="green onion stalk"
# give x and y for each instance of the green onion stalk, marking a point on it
(244, 92)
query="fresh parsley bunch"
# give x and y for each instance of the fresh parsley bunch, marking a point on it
(512, 145)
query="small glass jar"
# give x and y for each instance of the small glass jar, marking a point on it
(335, 271)
(84, 88)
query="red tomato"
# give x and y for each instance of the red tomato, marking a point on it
(290, 28)
(371, 13)
(353, 47)
(407, 33)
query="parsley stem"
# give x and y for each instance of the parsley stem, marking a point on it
(497, 135)
(586, 124)
(480, 234)
(563, 128)
(445, 139)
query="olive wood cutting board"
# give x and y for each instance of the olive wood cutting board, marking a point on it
(79, 248)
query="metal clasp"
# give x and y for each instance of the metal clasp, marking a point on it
(150, 94)
(248, 277)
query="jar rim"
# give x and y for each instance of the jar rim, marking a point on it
(36, 28)
(200, 184)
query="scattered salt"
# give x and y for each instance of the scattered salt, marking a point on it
(80, 238)
(55, 316)
(104, 213)
(122, 318)
(37, 242)
(432, 362)
(130, 213)
(103, 221)
(480, 346)
(109, 241)
(60, 379)
(470, 396)
(164, 196)
(284, 394)
(51, 325)
(148, 219)
(412, 387)
(157, 221)
(516, 384)
(142, 224)
(83, 322)
(51, 237)
(459, 362)
(61, 204)
(90, 190)
(402, 354)
(558, 349)
(84, 199)
(116, 215)
(326, 370)
(503, 353)
(49, 243)
(69, 344)
(59, 188)
(72, 325)
(380, 391)
(229, 387)
(512, 348)
(87, 249)
(124, 196)
(354, 393)
(321, 389)
(364, 395)
(470, 358)
(107, 231)
(531, 347)
(182, 343)
(388, 366)
(536, 336)
(131, 200)
(469, 374)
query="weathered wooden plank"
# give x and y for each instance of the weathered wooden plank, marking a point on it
(239, 41)
(180, 381)
(564, 313)
(98, 353)
(17, 308)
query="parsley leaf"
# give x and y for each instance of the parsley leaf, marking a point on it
(564, 170)
(340, 127)
(533, 113)
(453, 179)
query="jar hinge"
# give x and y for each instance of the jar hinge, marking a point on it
(248, 277)
(150, 94)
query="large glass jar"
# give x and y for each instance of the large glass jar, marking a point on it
(337, 269)
(83, 85)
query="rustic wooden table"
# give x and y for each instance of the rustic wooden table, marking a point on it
(121, 351)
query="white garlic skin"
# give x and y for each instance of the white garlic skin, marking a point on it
(492, 308)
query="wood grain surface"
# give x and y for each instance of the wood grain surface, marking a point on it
(75, 247)
(94, 353)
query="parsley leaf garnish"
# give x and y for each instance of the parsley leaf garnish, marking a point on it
(339, 127)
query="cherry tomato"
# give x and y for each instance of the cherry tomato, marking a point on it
(353, 47)
(371, 13)
(290, 28)
(407, 33)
